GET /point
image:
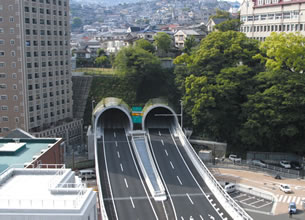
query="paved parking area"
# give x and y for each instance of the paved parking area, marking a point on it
(251, 202)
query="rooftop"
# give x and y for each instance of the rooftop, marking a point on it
(41, 188)
(20, 151)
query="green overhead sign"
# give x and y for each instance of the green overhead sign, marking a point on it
(137, 114)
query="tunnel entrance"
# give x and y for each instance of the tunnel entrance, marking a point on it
(114, 118)
(159, 117)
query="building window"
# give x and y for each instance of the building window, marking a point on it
(1, 30)
(3, 97)
(13, 53)
(15, 98)
(1, 42)
(2, 54)
(2, 64)
(16, 109)
(12, 42)
(14, 75)
(3, 86)
(270, 16)
(4, 108)
(4, 118)
(2, 75)
(11, 19)
(12, 30)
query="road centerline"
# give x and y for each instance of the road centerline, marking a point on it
(179, 180)
(188, 196)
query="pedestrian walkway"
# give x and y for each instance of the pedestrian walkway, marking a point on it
(288, 199)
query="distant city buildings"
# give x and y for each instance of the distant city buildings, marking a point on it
(261, 17)
(35, 76)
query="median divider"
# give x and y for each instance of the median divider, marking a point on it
(147, 165)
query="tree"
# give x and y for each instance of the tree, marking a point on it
(77, 22)
(100, 52)
(274, 114)
(189, 44)
(221, 14)
(229, 25)
(146, 45)
(102, 61)
(162, 41)
(218, 76)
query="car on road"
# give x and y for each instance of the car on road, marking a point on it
(86, 174)
(234, 158)
(292, 208)
(285, 188)
(285, 164)
(258, 163)
(295, 165)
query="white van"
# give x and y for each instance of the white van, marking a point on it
(229, 188)
(86, 174)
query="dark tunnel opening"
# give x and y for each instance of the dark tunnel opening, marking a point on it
(160, 117)
(114, 118)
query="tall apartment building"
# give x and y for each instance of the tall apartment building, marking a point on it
(261, 17)
(35, 76)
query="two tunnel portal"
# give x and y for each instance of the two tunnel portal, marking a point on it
(114, 113)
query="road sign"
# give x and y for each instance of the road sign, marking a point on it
(137, 114)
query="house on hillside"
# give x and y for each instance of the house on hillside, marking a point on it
(214, 21)
(181, 36)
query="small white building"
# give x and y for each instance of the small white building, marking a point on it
(181, 35)
(49, 192)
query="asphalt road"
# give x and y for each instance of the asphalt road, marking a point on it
(129, 199)
(188, 198)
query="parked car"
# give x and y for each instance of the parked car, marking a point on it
(234, 158)
(86, 174)
(285, 188)
(295, 165)
(258, 163)
(229, 188)
(285, 164)
(292, 208)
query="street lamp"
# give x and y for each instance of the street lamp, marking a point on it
(92, 104)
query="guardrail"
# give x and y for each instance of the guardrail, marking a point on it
(102, 205)
(230, 206)
(290, 173)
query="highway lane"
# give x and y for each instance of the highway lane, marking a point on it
(130, 199)
(188, 198)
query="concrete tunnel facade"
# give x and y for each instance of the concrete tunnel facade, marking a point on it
(112, 113)
(158, 112)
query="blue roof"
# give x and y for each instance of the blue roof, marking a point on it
(33, 147)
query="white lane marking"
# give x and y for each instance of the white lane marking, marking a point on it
(108, 177)
(284, 199)
(169, 195)
(294, 198)
(289, 199)
(166, 152)
(211, 217)
(126, 184)
(280, 198)
(182, 218)
(166, 215)
(172, 165)
(159, 133)
(132, 202)
(162, 142)
(252, 203)
(179, 180)
(247, 199)
(190, 198)
(114, 134)
(118, 154)
(201, 217)
(134, 162)
(116, 143)
(298, 200)
(121, 167)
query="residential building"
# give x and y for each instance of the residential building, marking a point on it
(261, 17)
(35, 70)
(213, 22)
(182, 35)
(48, 192)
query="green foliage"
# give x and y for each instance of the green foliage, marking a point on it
(189, 44)
(146, 45)
(162, 41)
(101, 52)
(77, 22)
(282, 51)
(229, 25)
(102, 61)
(221, 14)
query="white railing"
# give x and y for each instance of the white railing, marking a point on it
(233, 209)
